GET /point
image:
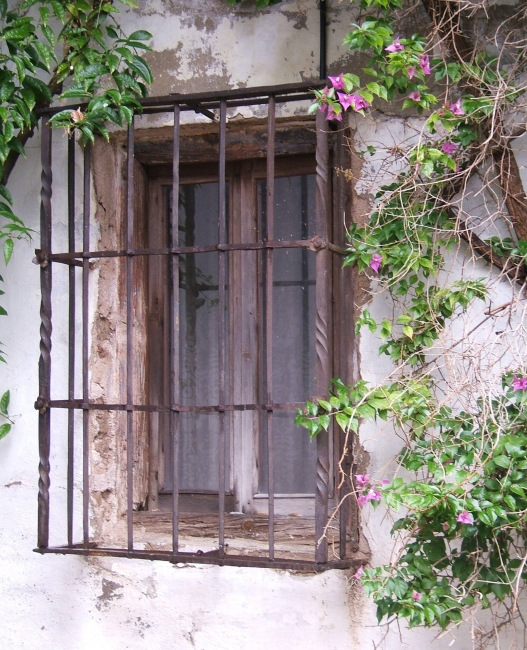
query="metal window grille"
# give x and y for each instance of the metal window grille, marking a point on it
(77, 436)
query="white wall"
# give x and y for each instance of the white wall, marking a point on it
(71, 603)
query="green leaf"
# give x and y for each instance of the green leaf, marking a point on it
(4, 402)
(129, 3)
(140, 35)
(502, 461)
(408, 331)
(8, 249)
(343, 421)
(4, 430)
(141, 68)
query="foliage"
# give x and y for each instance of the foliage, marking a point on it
(462, 490)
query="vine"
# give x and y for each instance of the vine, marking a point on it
(460, 480)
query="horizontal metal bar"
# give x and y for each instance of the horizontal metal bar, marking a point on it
(211, 557)
(314, 244)
(196, 100)
(91, 406)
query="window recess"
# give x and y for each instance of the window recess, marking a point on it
(210, 305)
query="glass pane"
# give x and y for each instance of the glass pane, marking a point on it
(199, 344)
(293, 340)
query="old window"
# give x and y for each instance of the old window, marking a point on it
(213, 306)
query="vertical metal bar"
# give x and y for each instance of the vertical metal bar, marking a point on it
(269, 235)
(322, 7)
(44, 363)
(322, 298)
(85, 351)
(71, 336)
(339, 344)
(174, 333)
(129, 335)
(222, 239)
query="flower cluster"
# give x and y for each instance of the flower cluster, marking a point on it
(367, 491)
(339, 98)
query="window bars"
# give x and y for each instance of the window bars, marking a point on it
(327, 255)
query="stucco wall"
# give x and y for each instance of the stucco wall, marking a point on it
(71, 603)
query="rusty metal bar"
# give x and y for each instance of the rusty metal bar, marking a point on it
(269, 236)
(129, 334)
(315, 243)
(44, 363)
(322, 298)
(85, 342)
(71, 337)
(181, 408)
(222, 238)
(203, 558)
(189, 102)
(174, 332)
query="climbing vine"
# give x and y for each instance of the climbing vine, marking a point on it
(458, 488)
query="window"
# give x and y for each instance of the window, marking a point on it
(213, 306)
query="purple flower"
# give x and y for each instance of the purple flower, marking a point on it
(362, 480)
(375, 262)
(337, 82)
(448, 147)
(323, 107)
(385, 482)
(519, 383)
(395, 46)
(415, 96)
(332, 115)
(465, 518)
(362, 500)
(359, 573)
(411, 71)
(373, 495)
(345, 100)
(416, 596)
(456, 108)
(357, 102)
(424, 63)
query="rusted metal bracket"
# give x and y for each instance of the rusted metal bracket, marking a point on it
(41, 404)
(41, 258)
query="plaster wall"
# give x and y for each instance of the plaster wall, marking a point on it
(72, 603)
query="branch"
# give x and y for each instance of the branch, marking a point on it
(513, 190)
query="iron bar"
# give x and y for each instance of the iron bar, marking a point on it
(322, 335)
(203, 558)
(323, 27)
(86, 208)
(174, 332)
(71, 337)
(315, 243)
(206, 99)
(269, 236)
(44, 363)
(176, 408)
(222, 239)
(129, 334)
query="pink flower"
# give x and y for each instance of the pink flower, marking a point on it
(375, 262)
(411, 71)
(337, 82)
(424, 63)
(373, 495)
(359, 573)
(345, 100)
(323, 107)
(385, 482)
(358, 103)
(456, 108)
(519, 383)
(395, 46)
(362, 480)
(415, 96)
(332, 115)
(448, 147)
(465, 518)
(416, 596)
(362, 500)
